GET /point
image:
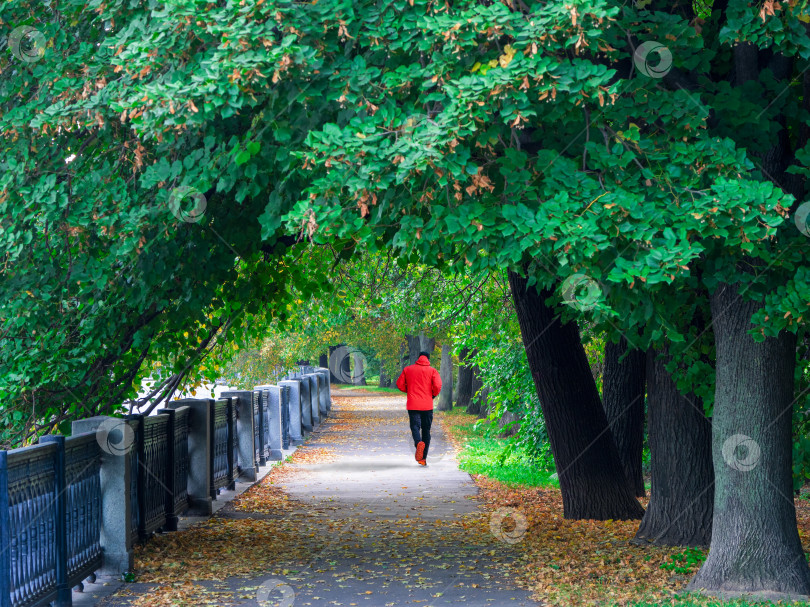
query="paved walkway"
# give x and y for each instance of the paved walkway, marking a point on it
(353, 520)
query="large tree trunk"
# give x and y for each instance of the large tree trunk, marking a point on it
(385, 379)
(414, 346)
(755, 545)
(359, 374)
(484, 406)
(464, 390)
(403, 358)
(419, 343)
(680, 508)
(474, 406)
(427, 344)
(590, 472)
(623, 399)
(506, 419)
(446, 372)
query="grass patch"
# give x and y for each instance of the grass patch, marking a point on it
(686, 562)
(707, 602)
(483, 456)
(482, 453)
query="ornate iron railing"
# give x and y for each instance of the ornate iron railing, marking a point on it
(221, 451)
(285, 416)
(30, 550)
(83, 505)
(258, 427)
(57, 497)
(177, 501)
(233, 441)
(153, 469)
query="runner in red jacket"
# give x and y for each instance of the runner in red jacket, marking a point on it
(422, 384)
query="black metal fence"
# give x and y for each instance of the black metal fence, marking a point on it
(233, 441)
(153, 473)
(258, 427)
(31, 547)
(52, 498)
(50, 519)
(222, 453)
(285, 415)
(83, 505)
(177, 458)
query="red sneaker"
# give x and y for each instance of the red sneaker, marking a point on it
(420, 451)
(422, 462)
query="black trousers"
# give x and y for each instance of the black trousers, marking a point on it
(420, 427)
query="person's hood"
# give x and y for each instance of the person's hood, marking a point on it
(423, 360)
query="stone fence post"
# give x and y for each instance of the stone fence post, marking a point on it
(272, 418)
(117, 439)
(246, 449)
(306, 409)
(324, 399)
(284, 395)
(294, 404)
(200, 442)
(314, 398)
(328, 375)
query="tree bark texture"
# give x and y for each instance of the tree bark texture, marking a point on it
(427, 344)
(474, 406)
(623, 399)
(403, 356)
(385, 379)
(591, 476)
(506, 419)
(682, 493)
(484, 404)
(464, 389)
(446, 395)
(414, 346)
(755, 544)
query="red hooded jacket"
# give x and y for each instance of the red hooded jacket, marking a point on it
(421, 383)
